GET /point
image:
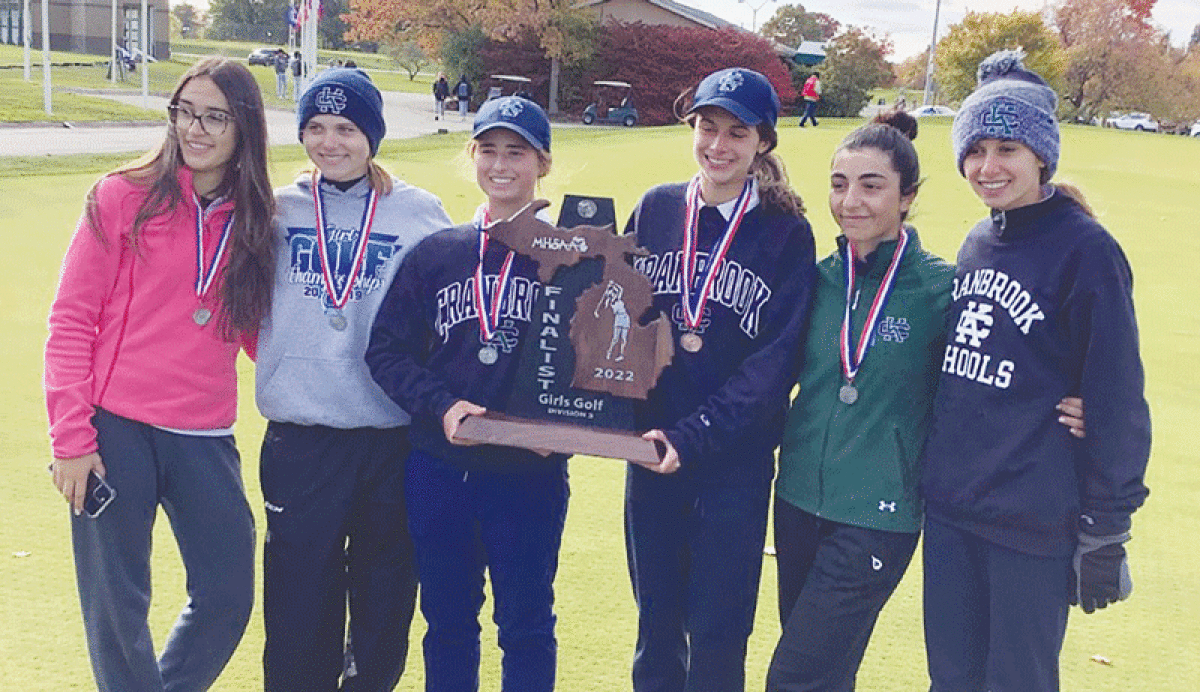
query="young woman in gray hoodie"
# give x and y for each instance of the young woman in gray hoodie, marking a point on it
(332, 466)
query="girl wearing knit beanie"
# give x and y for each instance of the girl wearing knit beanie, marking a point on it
(1024, 519)
(332, 464)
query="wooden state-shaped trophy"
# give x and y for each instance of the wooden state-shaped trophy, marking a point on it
(587, 354)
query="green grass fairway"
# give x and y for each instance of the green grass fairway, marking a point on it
(1144, 188)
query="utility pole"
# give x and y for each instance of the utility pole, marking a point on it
(754, 12)
(932, 48)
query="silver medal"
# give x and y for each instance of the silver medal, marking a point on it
(848, 394)
(488, 355)
(201, 316)
(337, 320)
(691, 342)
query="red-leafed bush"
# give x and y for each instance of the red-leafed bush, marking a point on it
(663, 61)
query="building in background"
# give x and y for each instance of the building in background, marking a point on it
(85, 26)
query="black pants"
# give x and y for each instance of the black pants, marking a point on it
(833, 581)
(337, 540)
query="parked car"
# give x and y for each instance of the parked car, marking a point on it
(1194, 130)
(1133, 121)
(262, 56)
(931, 111)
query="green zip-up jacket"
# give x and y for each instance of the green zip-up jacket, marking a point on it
(858, 463)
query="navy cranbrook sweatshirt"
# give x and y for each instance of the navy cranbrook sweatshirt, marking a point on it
(1042, 308)
(724, 406)
(424, 347)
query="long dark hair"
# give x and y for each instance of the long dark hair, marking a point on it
(247, 278)
(767, 168)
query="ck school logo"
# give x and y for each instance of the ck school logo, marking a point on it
(1000, 119)
(331, 100)
(989, 296)
(305, 266)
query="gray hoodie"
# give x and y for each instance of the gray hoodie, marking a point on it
(308, 372)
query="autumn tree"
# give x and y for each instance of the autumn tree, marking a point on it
(661, 62)
(791, 25)
(910, 73)
(982, 33)
(563, 31)
(855, 63)
(1115, 57)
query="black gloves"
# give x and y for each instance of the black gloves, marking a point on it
(1101, 571)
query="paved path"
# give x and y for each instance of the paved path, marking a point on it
(407, 115)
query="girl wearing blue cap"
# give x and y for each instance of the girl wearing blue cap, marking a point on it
(164, 273)
(1023, 518)
(332, 463)
(731, 258)
(444, 347)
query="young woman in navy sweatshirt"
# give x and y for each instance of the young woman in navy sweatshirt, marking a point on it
(1022, 518)
(445, 347)
(731, 258)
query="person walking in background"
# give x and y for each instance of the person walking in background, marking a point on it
(332, 464)
(297, 66)
(445, 346)
(281, 69)
(462, 92)
(811, 93)
(1022, 518)
(847, 504)
(169, 266)
(441, 92)
(696, 520)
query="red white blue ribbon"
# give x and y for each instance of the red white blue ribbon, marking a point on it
(204, 277)
(694, 301)
(489, 313)
(852, 361)
(338, 299)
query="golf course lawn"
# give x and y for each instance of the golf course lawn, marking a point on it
(1145, 188)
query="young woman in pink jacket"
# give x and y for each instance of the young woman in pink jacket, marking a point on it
(171, 262)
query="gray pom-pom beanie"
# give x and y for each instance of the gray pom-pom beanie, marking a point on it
(1010, 102)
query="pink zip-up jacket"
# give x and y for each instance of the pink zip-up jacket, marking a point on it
(122, 334)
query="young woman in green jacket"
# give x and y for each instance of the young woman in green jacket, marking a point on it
(847, 508)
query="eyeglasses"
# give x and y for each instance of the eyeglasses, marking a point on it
(211, 122)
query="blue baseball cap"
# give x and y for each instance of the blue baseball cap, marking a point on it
(744, 93)
(520, 115)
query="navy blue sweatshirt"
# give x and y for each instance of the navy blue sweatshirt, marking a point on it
(724, 406)
(424, 347)
(1042, 308)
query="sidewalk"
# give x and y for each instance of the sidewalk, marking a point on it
(407, 115)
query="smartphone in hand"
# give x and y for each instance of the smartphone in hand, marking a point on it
(99, 495)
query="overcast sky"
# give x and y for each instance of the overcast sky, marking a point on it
(910, 22)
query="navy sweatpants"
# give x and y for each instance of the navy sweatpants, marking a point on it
(510, 524)
(995, 618)
(695, 560)
(337, 540)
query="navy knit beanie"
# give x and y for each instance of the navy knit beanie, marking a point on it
(347, 92)
(1010, 103)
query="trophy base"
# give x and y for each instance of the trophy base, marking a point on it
(499, 429)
